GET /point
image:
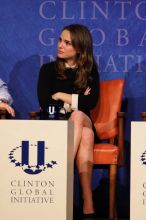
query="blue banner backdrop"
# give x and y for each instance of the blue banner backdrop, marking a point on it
(29, 31)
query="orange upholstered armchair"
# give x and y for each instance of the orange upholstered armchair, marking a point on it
(143, 115)
(108, 122)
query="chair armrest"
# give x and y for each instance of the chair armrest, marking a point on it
(143, 115)
(3, 114)
(33, 115)
(121, 116)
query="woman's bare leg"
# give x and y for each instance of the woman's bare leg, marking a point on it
(83, 153)
(80, 120)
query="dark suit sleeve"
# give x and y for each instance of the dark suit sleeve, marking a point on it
(87, 102)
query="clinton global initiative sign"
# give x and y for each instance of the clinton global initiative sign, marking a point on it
(99, 18)
(30, 191)
(36, 170)
(23, 156)
(143, 160)
(138, 171)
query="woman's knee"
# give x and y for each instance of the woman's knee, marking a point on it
(80, 118)
(77, 116)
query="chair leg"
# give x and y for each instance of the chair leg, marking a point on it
(112, 191)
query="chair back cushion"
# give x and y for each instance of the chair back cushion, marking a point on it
(104, 115)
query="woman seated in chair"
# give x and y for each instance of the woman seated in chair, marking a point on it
(5, 99)
(73, 81)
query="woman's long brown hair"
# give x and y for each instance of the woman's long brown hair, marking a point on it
(82, 42)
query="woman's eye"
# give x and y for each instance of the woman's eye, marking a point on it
(68, 43)
(60, 40)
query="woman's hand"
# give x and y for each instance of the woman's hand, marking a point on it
(65, 97)
(56, 96)
(87, 91)
(8, 108)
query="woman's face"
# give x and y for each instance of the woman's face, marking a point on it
(65, 48)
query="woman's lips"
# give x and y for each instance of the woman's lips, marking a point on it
(60, 52)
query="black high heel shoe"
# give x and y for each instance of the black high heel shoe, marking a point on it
(89, 216)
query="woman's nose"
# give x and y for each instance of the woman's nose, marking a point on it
(60, 44)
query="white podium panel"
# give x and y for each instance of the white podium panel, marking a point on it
(138, 171)
(36, 168)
